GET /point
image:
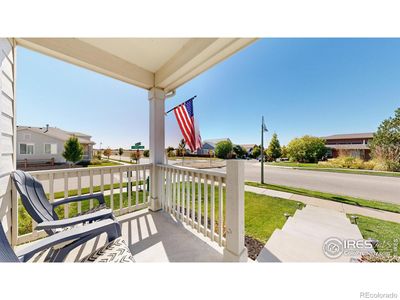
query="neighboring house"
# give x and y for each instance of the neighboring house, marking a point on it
(47, 143)
(249, 148)
(354, 144)
(209, 145)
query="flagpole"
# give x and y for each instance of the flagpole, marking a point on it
(180, 104)
(262, 150)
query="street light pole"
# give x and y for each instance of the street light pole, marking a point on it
(263, 128)
(262, 150)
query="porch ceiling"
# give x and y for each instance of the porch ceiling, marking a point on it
(165, 63)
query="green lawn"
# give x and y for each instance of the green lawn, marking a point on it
(264, 214)
(322, 168)
(104, 163)
(384, 231)
(337, 198)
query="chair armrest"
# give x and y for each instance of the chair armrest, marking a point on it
(98, 196)
(98, 215)
(111, 227)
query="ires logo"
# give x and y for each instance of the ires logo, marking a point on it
(334, 247)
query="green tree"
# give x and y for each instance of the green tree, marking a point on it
(146, 153)
(182, 148)
(274, 150)
(306, 149)
(284, 152)
(385, 145)
(256, 152)
(107, 152)
(73, 150)
(239, 151)
(120, 152)
(135, 156)
(223, 149)
(170, 151)
(98, 155)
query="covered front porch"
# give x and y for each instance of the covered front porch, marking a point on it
(181, 214)
(152, 237)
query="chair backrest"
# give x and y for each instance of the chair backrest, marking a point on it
(33, 197)
(7, 254)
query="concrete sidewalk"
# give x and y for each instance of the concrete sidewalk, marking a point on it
(341, 207)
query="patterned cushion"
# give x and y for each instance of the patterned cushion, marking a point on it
(116, 251)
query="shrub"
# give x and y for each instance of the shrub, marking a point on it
(256, 152)
(95, 162)
(379, 258)
(223, 149)
(146, 153)
(385, 145)
(345, 162)
(98, 155)
(239, 151)
(73, 150)
(306, 149)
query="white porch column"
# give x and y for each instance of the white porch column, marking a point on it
(235, 249)
(157, 144)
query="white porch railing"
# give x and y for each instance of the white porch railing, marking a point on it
(210, 202)
(125, 189)
(195, 197)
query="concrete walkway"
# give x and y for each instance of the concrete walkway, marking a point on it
(313, 234)
(341, 207)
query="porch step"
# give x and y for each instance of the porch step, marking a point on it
(287, 247)
(303, 236)
(320, 231)
(305, 214)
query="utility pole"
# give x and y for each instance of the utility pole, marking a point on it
(263, 128)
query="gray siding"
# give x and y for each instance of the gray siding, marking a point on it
(7, 130)
(38, 140)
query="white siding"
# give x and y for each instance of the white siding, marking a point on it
(39, 140)
(7, 130)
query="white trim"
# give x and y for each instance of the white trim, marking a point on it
(51, 148)
(27, 144)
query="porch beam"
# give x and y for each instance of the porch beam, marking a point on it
(157, 145)
(90, 57)
(195, 57)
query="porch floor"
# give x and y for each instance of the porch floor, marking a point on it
(154, 237)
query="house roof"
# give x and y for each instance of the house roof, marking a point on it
(367, 135)
(58, 133)
(213, 142)
(165, 63)
(248, 146)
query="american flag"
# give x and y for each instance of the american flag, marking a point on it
(190, 131)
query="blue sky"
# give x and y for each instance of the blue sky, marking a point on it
(301, 86)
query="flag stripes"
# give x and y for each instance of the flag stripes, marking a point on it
(185, 117)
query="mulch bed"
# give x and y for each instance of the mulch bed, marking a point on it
(253, 246)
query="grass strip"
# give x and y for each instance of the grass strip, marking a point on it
(385, 206)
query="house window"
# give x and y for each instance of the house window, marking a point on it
(26, 149)
(50, 148)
